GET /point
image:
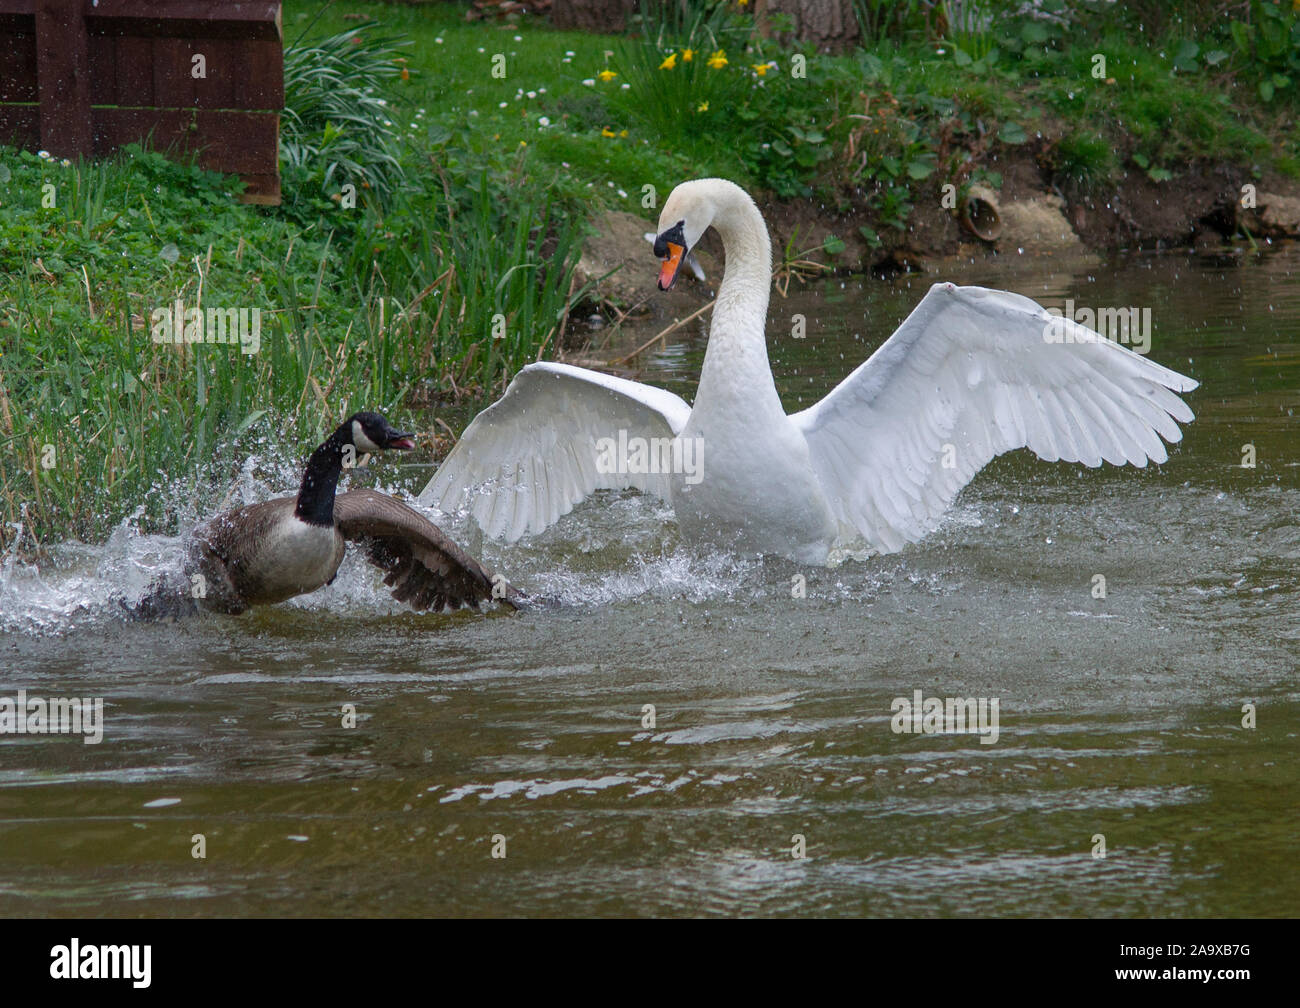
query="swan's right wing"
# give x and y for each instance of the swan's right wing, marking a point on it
(533, 454)
(970, 374)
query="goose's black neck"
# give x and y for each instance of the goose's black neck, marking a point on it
(316, 495)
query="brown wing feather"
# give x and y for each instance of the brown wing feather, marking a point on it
(424, 568)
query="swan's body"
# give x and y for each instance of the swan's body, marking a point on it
(970, 374)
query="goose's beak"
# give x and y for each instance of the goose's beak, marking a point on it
(400, 442)
(668, 271)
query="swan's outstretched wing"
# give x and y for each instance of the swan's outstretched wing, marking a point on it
(970, 374)
(422, 566)
(532, 455)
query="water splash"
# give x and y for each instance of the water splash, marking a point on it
(74, 585)
(613, 549)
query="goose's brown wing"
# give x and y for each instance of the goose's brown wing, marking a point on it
(424, 568)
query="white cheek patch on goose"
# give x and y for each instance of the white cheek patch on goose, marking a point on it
(363, 443)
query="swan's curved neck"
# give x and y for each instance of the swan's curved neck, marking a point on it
(736, 369)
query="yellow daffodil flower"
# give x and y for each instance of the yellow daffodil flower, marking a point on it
(607, 75)
(704, 107)
(718, 60)
(669, 63)
(689, 54)
(607, 132)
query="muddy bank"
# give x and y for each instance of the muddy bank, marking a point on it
(1025, 217)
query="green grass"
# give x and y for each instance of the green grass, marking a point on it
(1084, 160)
(80, 371)
(454, 82)
(455, 267)
(1036, 77)
(452, 272)
(412, 302)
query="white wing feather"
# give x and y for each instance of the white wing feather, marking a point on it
(531, 456)
(975, 369)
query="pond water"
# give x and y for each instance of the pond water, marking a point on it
(1119, 716)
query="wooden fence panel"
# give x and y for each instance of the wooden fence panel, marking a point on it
(84, 77)
(63, 77)
(18, 43)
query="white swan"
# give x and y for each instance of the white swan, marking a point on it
(970, 374)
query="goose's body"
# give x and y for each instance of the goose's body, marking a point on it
(970, 374)
(263, 554)
(278, 549)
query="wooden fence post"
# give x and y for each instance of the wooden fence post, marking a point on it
(63, 77)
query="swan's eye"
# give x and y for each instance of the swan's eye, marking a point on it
(675, 235)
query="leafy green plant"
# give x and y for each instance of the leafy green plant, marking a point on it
(1268, 43)
(1083, 160)
(879, 20)
(664, 22)
(970, 30)
(337, 117)
(681, 86)
(710, 87)
(1154, 172)
(1034, 41)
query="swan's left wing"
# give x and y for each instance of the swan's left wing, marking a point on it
(422, 566)
(533, 454)
(970, 374)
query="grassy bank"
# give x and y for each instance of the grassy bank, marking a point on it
(400, 271)
(603, 114)
(476, 153)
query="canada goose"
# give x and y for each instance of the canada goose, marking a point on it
(268, 552)
(971, 373)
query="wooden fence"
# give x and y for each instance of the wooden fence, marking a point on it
(84, 77)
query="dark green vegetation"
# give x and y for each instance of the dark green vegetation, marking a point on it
(451, 271)
(454, 267)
